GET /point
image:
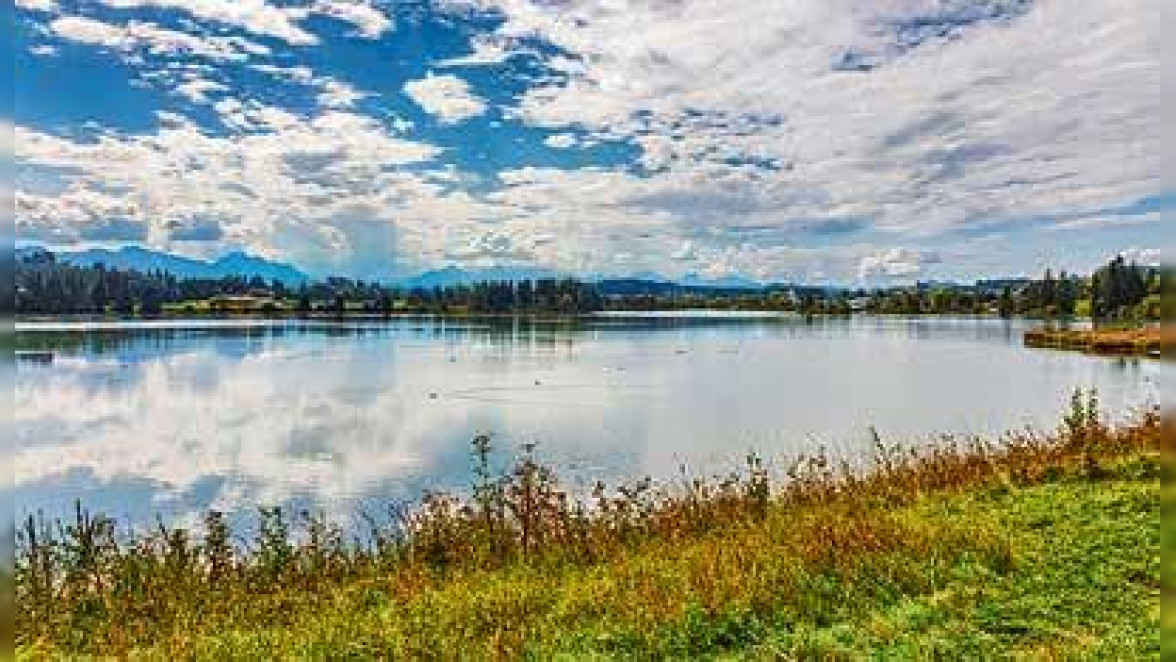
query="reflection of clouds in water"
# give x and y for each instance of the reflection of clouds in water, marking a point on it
(176, 435)
(326, 417)
(266, 429)
(541, 394)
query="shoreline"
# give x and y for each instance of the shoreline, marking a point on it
(716, 313)
(1151, 341)
(759, 563)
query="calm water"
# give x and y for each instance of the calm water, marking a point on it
(140, 419)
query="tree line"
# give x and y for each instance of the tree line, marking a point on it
(45, 286)
(1117, 291)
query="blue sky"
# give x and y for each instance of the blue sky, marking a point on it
(862, 141)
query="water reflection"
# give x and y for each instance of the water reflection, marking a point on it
(140, 419)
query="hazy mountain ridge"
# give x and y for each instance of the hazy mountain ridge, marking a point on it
(236, 263)
(239, 263)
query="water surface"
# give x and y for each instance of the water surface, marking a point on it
(172, 418)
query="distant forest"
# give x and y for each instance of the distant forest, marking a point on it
(46, 286)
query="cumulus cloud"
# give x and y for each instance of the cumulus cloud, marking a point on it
(561, 141)
(271, 186)
(446, 96)
(79, 214)
(299, 74)
(257, 16)
(152, 38)
(197, 91)
(114, 230)
(967, 111)
(265, 18)
(37, 5)
(772, 140)
(495, 249)
(1107, 220)
(685, 252)
(487, 50)
(194, 228)
(1150, 257)
(895, 263)
(336, 94)
(332, 94)
(369, 21)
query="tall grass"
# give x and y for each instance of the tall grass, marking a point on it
(802, 540)
(1149, 340)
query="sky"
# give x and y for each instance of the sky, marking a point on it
(821, 141)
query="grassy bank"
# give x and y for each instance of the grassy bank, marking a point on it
(1147, 341)
(1040, 545)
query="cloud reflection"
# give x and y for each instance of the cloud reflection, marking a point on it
(175, 421)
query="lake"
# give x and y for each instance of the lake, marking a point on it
(139, 419)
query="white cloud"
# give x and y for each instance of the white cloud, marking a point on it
(1151, 257)
(197, 91)
(895, 263)
(256, 16)
(495, 249)
(89, 31)
(447, 97)
(336, 94)
(193, 396)
(159, 41)
(765, 153)
(369, 21)
(333, 94)
(299, 74)
(685, 252)
(78, 214)
(972, 112)
(561, 141)
(262, 17)
(1107, 221)
(487, 50)
(47, 6)
(281, 186)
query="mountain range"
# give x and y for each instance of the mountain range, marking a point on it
(450, 276)
(239, 263)
(236, 263)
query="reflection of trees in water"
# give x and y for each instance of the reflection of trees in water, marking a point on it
(132, 343)
(145, 341)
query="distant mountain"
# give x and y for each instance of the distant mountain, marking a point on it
(449, 276)
(32, 255)
(999, 284)
(236, 263)
(639, 287)
(239, 263)
(657, 287)
(646, 283)
(725, 282)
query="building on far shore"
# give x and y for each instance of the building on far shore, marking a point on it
(253, 302)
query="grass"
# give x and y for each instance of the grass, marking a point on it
(1039, 546)
(1147, 341)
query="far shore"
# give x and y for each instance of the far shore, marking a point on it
(279, 316)
(1143, 341)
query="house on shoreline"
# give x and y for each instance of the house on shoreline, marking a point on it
(255, 301)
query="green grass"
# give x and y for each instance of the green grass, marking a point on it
(1082, 584)
(1077, 580)
(1040, 547)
